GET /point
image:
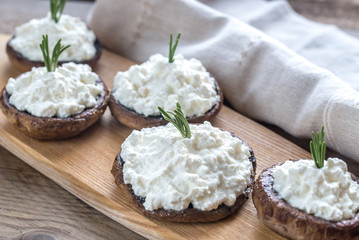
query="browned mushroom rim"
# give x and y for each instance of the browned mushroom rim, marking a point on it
(51, 128)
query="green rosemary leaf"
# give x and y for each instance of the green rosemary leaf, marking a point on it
(56, 9)
(179, 120)
(184, 120)
(170, 58)
(58, 49)
(176, 124)
(51, 62)
(172, 49)
(45, 51)
(185, 126)
(179, 109)
(311, 151)
(318, 148)
(166, 116)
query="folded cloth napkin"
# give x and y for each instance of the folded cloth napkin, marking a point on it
(260, 76)
(324, 45)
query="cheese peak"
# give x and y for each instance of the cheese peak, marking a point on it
(70, 29)
(67, 91)
(328, 192)
(170, 172)
(159, 83)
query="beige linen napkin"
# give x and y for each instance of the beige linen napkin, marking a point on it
(324, 45)
(260, 77)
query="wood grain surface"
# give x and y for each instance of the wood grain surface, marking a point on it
(34, 207)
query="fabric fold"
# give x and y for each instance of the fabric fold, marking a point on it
(324, 45)
(260, 77)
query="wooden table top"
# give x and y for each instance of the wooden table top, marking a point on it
(33, 206)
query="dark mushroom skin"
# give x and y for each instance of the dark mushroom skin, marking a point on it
(190, 214)
(290, 222)
(134, 120)
(23, 64)
(54, 128)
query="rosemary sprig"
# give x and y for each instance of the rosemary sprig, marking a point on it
(173, 49)
(56, 8)
(318, 148)
(51, 63)
(179, 120)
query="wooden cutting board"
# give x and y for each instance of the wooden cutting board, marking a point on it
(82, 164)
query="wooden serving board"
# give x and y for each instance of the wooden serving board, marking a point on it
(82, 164)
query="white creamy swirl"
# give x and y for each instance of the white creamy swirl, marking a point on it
(65, 92)
(71, 30)
(328, 192)
(170, 171)
(159, 83)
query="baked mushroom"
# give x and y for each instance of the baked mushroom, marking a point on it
(23, 49)
(54, 102)
(203, 178)
(163, 81)
(298, 200)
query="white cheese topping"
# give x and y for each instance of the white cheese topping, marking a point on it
(70, 29)
(65, 92)
(159, 83)
(328, 192)
(171, 172)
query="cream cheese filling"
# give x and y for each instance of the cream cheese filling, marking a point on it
(328, 192)
(170, 171)
(71, 30)
(159, 83)
(67, 91)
